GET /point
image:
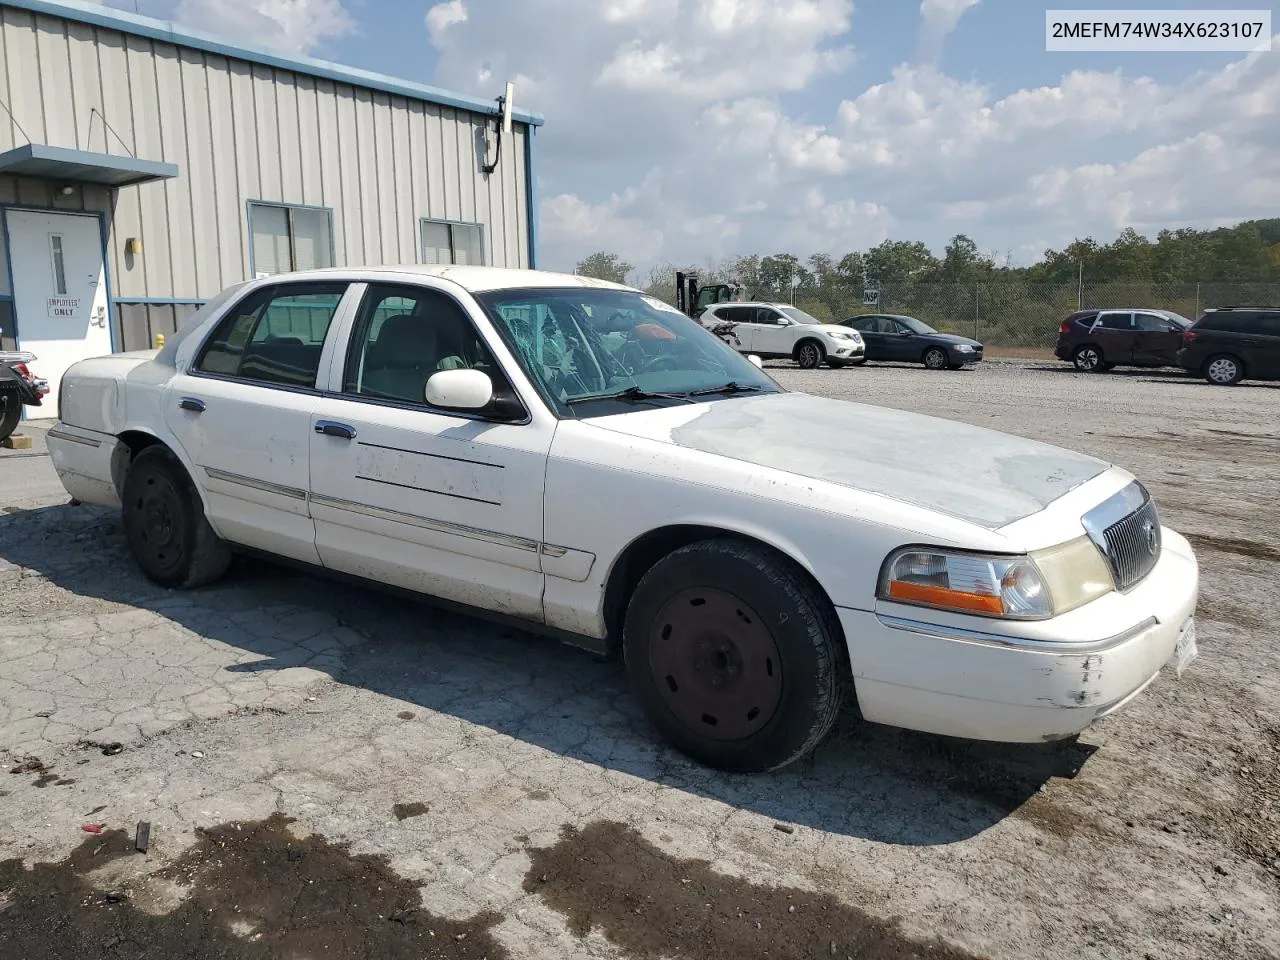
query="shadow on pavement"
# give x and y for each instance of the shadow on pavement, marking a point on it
(868, 781)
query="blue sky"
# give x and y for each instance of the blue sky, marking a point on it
(681, 130)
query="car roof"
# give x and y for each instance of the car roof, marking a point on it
(474, 279)
(1159, 310)
(748, 303)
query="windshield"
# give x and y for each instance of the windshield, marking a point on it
(580, 345)
(798, 315)
(916, 326)
(1178, 318)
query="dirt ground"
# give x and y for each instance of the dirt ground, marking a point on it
(326, 771)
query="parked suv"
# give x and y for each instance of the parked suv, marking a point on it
(1097, 340)
(1232, 344)
(779, 331)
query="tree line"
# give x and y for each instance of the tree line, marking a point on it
(1248, 252)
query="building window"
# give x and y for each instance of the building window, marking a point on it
(59, 265)
(287, 238)
(447, 242)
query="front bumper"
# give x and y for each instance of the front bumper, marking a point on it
(985, 682)
(845, 350)
(970, 356)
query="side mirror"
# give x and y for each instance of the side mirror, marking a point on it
(756, 361)
(459, 390)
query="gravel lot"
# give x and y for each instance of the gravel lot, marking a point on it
(330, 772)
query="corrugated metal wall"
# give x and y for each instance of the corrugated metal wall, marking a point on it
(239, 132)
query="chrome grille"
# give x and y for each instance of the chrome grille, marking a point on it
(1126, 529)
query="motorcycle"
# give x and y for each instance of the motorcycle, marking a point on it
(19, 387)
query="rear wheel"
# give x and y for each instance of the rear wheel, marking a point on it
(1088, 359)
(935, 358)
(1224, 370)
(10, 416)
(809, 355)
(738, 684)
(165, 523)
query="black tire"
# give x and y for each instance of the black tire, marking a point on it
(165, 524)
(935, 358)
(737, 685)
(10, 416)
(1224, 370)
(1088, 359)
(809, 354)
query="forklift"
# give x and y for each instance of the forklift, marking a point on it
(692, 300)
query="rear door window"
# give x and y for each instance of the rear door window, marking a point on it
(274, 335)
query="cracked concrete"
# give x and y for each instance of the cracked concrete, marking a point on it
(278, 692)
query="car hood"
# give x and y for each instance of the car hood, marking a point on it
(950, 338)
(972, 473)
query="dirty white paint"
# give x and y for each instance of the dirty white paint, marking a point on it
(835, 486)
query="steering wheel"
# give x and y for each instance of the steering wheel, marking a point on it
(662, 361)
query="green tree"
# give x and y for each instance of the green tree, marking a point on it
(605, 266)
(776, 272)
(899, 261)
(963, 262)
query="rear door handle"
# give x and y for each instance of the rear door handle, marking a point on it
(194, 404)
(332, 429)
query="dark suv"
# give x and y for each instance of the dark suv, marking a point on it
(1232, 344)
(1097, 340)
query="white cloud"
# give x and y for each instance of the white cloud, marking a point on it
(686, 129)
(444, 15)
(938, 19)
(292, 26)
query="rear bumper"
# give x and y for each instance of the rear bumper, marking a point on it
(85, 463)
(983, 685)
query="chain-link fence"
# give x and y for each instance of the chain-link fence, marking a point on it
(1025, 315)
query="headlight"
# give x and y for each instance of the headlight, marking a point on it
(839, 335)
(1033, 587)
(963, 348)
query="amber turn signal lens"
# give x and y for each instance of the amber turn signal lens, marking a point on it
(942, 597)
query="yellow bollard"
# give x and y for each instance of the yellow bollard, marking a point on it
(159, 341)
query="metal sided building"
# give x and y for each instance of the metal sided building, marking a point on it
(143, 168)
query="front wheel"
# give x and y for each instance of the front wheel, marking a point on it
(935, 358)
(1223, 370)
(10, 416)
(734, 656)
(809, 356)
(165, 524)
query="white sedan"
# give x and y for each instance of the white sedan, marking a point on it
(776, 331)
(574, 455)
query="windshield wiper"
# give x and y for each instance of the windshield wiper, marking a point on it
(731, 387)
(631, 395)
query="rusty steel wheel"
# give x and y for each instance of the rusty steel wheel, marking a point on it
(715, 663)
(738, 686)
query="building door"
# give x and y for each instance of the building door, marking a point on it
(59, 293)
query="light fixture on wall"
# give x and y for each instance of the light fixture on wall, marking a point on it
(66, 190)
(133, 246)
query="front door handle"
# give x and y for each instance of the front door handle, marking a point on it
(332, 429)
(194, 404)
